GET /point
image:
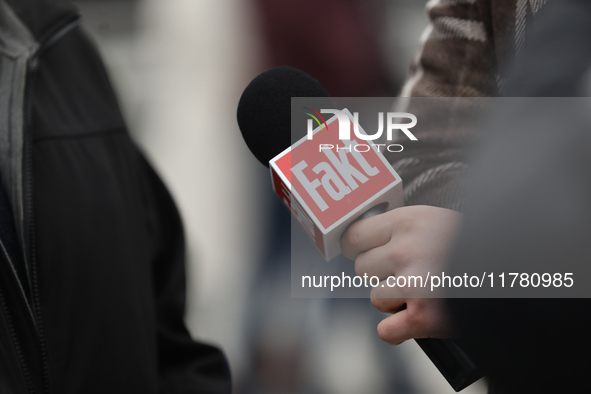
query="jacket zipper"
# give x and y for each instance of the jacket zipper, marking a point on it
(28, 196)
(17, 279)
(10, 324)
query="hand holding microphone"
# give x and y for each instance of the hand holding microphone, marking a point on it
(406, 242)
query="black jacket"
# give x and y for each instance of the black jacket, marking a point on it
(101, 307)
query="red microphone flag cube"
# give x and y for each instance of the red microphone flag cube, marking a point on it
(328, 183)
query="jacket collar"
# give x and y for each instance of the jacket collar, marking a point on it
(44, 18)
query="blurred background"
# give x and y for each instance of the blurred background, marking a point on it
(179, 67)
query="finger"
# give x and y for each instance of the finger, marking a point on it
(366, 234)
(396, 329)
(387, 299)
(378, 262)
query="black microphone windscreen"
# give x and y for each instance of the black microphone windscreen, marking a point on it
(264, 110)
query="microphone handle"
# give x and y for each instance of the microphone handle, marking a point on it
(453, 363)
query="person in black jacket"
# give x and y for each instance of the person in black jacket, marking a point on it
(92, 276)
(530, 212)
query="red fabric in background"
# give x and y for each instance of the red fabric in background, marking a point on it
(338, 42)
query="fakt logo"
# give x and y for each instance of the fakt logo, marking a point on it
(339, 176)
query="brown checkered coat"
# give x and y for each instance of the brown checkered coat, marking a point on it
(463, 53)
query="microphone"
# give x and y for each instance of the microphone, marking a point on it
(327, 182)
(270, 93)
